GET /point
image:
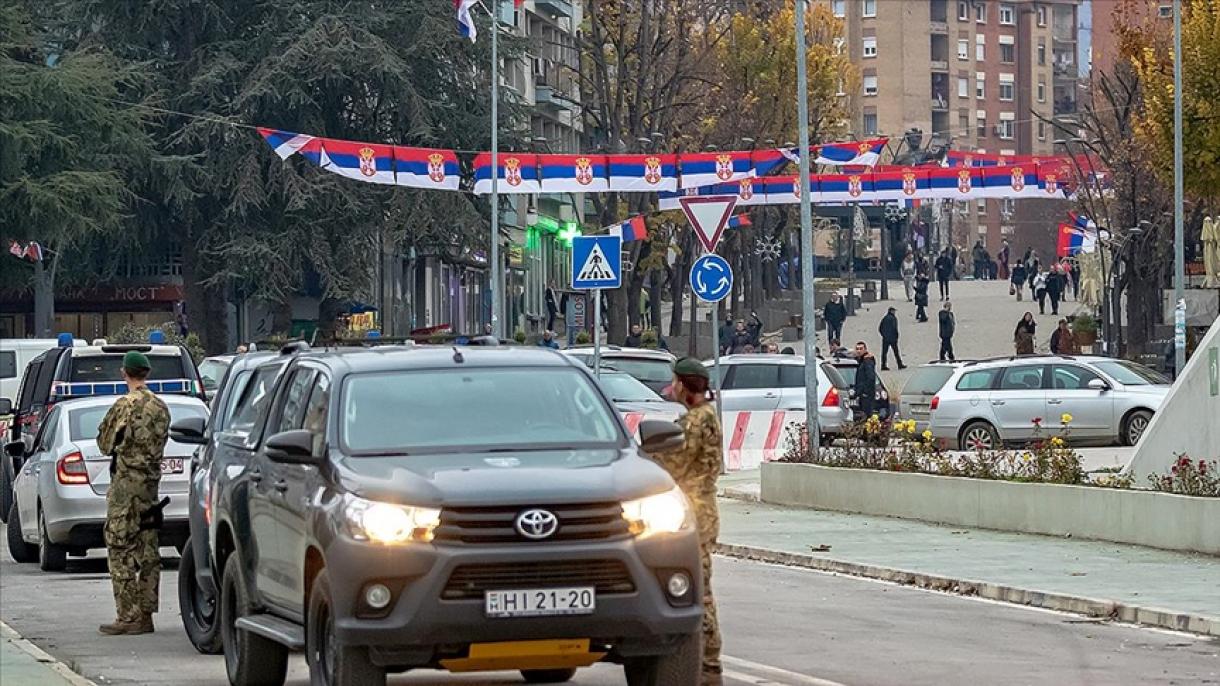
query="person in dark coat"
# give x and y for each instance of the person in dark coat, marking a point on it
(835, 313)
(1023, 337)
(944, 271)
(633, 339)
(552, 307)
(921, 296)
(1018, 280)
(889, 339)
(726, 336)
(866, 380)
(948, 325)
(741, 339)
(1055, 286)
(755, 328)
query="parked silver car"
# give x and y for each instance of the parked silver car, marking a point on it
(988, 403)
(765, 382)
(654, 368)
(915, 400)
(59, 502)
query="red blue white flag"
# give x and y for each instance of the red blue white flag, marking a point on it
(368, 162)
(739, 221)
(1013, 181)
(285, 143)
(426, 168)
(634, 229)
(899, 183)
(709, 168)
(574, 173)
(643, 173)
(465, 21)
(846, 188)
(518, 173)
(863, 153)
(955, 183)
(33, 252)
(768, 161)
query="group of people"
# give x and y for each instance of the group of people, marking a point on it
(1052, 284)
(741, 337)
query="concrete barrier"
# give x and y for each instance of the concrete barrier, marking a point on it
(1147, 518)
(751, 438)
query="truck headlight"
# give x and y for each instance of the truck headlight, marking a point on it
(663, 513)
(389, 524)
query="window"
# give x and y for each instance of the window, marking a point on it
(315, 412)
(870, 85)
(839, 7)
(1006, 91)
(1008, 53)
(46, 433)
(1165, 11)
(753, 376)
(980, 50)
(963, 50)
(1023, 378)
(1006, 129)
(981, 126)
(84, 423)
(869, 8)
(982, 211)
(1069, 377)
(792, 376)
(105, 368)
(1130, 373)
(1008, 15)
(1041, 91)
(295, 397)
(255, 401)
(963, 87)
(1041, 51)
(980, 13)
(1041, 15)
(870, 123)
(870, 46)
(980, 380)
(963, 10)
(980, 86)
(1041, 130)
(963, 122)
(8, 364)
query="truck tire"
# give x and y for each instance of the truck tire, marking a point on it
(548, 676)
(199, 611)
(51, 557)
(17, 547)
(331, 664)
(6, 485)
(683, 667)
(250, 659)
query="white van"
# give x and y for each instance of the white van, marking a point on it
(15, 354)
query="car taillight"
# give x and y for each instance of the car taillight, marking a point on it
(71, 469)
(935, 402)
(832, 398)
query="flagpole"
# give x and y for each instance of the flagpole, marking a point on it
(808, 307)
(497, 279)
(1179, 242)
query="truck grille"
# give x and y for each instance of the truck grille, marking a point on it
(469, 582)
(582, 522)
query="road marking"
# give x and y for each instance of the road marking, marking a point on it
(787, 677)
(9, 634)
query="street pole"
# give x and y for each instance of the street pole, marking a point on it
(1179, 239)
(597, 332)
(808, 310)
(497, 279)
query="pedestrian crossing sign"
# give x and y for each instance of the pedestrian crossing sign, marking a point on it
(597, 262)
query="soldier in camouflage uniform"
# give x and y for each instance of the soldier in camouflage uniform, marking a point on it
(695, 467)
(133, 432)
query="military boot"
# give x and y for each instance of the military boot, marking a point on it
(118, 627)
(143, 625)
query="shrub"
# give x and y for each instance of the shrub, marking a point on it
(519, 336)
(132, 334)
(583, 338)
(1187, 477)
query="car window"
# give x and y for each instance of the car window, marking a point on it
(836, 376)
(237, 384)
(1070, 377)
(453, 410)
(83, 424)
(750, 376)
(254, 402)
(211, 372)
(792, 376)
(978, 380)
(8, 364)
(644, 370)
(105, 368)
(848, 373)
(46, 433)
(315, 411)
(1023, 378)
(1130, 373)
(25, 396)
(626, 388)
(296, 394)
(929, 380)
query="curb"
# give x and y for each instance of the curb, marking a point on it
(1090, 607)
(742, 494)
(41, 656)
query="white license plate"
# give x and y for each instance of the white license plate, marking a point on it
(580, 600)
(172, 465)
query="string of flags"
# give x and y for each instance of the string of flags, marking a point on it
(32, 251)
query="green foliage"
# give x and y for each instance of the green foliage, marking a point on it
(1084, 323)
(131, 333)
(519, 336)
(583, 338)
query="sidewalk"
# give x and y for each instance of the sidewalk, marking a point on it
(24, 664)
(1128, 583)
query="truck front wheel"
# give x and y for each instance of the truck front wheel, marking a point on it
(250, 659)
(331, 664)
(683, 667)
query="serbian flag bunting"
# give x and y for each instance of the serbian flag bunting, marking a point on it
(285, 143)
(1015, 181)
(634, 229)
(465, 22)
(709, 168)
(846, 187)
(633, 173)
(768, 161)
(368, 162)
(427, 168)
(863, 153)
(574, 173)
(518, 173)
(955, 183)
(899, 183)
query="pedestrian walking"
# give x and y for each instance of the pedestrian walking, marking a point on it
(548, 340)
(1063, 341)
(1039, 287)
(1023, 337)
(834, 313)
(889, 339)
(866, 381)
(979, 255)
(908, 273)
(1004, 257)
(944, 270)
(133, 433)
(1033, 269)
(948, 325)
(695, 467)
(552, 306)
(1017, 281)
(921, 296)
(1055, 287)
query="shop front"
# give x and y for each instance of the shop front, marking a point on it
(94, 312)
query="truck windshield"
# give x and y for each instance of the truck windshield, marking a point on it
(429, 411)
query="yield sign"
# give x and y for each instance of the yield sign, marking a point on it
(708, 215)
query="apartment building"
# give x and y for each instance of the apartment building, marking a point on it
(976, 74)
(1104, 49)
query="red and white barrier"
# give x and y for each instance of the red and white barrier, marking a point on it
(751, 438)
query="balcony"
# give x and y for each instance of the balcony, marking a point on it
(559, 8)
(549, 96)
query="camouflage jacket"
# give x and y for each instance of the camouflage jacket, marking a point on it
(134, 432)
(696, 466)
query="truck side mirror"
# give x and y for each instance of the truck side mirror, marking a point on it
(6, 406)
(657, 436)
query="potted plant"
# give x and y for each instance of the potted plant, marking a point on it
(583, 338)
(1084, 328)
(519, 336)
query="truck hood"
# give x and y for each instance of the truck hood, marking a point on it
(503, 478)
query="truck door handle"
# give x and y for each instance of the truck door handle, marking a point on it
(280, 485)
(256, 475)
(997, 402)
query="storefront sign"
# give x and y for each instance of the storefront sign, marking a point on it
(135, 293)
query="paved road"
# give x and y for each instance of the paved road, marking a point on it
(783, 626)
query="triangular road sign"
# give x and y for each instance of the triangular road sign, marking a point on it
(708, 215)
(595, 267)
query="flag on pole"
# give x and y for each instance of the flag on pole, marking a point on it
(1078, 236)
(739, 221)
(465, 21)
(634, 229)
(285, 143)
(33, 252)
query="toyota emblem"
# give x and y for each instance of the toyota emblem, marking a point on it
(537, 524)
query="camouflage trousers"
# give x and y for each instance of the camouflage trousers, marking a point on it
(711, 622)
(135, 560)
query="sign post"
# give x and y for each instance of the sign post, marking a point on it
(597, 263)
(711, 280)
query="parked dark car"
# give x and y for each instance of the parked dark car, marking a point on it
(394, 509)
(847, 367)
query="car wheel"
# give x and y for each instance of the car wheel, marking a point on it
(198, 607)
(17, 547)
(6, 485)
(979, 436)
(250, 659)
(1134, 427)
(331, 664)
(51, 557)
(683, 667)
(548, 676)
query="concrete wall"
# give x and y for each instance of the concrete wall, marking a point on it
(1157, 520)
(1188, 421)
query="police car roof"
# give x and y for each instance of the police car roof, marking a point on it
(117, 349)
(399, 358)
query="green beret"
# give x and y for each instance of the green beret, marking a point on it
(134, 359)
(689, 366)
